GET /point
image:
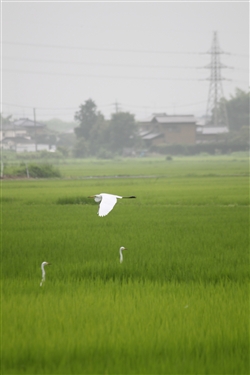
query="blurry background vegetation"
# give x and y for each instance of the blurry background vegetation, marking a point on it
(91, 135)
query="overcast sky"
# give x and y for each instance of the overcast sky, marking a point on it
(146, 57)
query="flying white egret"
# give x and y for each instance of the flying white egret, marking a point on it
(43, 271)
(121, 250)
(107, 202)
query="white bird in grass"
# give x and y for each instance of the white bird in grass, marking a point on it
(43, 271)
(121, 256)
(107, 202)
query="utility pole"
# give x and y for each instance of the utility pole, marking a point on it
(34, 112)
(216, 113)
(2, 168)
(116, 104)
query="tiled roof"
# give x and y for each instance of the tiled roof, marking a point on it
(165, 119)
(25, 122)
(212, 130)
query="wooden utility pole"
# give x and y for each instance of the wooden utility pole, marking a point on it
(116, 104)
(34, 111)
(2, 167)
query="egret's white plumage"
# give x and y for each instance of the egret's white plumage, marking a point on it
(107, 202)
(43, 271)
(121, 250)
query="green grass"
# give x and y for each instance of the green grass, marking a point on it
(179, 166)
(196, 166)
(112, 327)
(178, 304)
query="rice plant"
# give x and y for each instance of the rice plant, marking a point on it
(178, 304)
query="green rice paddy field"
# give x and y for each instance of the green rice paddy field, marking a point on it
(178, 304)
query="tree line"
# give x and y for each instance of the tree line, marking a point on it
(100, 137)
(237, 107)
(97, 136)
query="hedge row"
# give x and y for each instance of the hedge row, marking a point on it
(34, 170)
(208, 148)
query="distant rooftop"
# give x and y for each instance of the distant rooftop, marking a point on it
(209, 130)
(25, 122)
(164, 118)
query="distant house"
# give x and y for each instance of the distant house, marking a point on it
(11, 143)
(10, 131)
(21, 135)
(21, 144)
(161, 128)
(31, 126)
(211, 134)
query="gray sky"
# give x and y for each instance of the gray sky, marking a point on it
(143, 55)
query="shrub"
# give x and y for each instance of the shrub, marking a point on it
(39, 155)
(209, 148)
(43, 170)
(105, 154)
(36, 171)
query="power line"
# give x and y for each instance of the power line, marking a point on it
(179, 106)
(21, 106)
(95, 76)
(99, 49)
(91, 64)
(99, 64)
(110, 77)
(116, 104)
(115, 49)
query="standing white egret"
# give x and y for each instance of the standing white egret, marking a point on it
(43, 271)
(107, 202)
(121, 250)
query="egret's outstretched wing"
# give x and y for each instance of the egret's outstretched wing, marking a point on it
(107, 203)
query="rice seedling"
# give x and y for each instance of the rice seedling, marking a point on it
(179, 302)
(132, 327)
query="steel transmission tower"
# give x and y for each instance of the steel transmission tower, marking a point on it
(216, 113)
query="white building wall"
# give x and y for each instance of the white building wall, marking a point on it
(32, 147)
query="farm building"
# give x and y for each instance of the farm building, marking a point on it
(161, 128)
(211, 134)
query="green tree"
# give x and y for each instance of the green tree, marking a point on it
(64, 150)
(238, 110)
(86, 117)
(80, 149)
(122, 131)
(98, 135)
